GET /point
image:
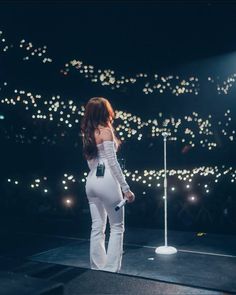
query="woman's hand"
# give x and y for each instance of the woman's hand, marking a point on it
(129, 196)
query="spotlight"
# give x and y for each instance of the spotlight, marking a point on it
(192, 198)
(68, 202)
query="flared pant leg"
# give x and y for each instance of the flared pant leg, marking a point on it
(102, 203)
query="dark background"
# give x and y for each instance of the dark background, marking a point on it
(182, 38)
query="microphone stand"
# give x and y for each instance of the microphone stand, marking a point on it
(165, 249)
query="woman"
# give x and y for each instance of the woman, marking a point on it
(104, 192)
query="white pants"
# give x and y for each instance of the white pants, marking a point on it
(103, 194)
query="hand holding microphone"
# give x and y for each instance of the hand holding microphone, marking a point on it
(128, 197)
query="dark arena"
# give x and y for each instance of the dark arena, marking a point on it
(118, 164)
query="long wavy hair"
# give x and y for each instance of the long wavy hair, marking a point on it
(98, 111)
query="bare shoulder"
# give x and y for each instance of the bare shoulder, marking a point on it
(103, 133)
(106, 134)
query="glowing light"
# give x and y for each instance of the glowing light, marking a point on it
(192, 198)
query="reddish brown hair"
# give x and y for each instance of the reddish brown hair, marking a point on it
(98, 111)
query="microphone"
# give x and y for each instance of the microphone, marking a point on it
(165, 134)
(121, 204)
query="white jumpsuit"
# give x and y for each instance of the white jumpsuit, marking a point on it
(103, 194)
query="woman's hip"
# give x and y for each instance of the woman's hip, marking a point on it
(105, 187)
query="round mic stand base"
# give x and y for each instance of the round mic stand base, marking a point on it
(166, 250)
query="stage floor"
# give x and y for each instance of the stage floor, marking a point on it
(205, 261)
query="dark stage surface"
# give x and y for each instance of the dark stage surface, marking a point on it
(204, 261)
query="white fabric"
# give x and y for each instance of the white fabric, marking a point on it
(107, 150)
(104, 194)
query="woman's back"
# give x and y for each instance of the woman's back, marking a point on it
(101, 135)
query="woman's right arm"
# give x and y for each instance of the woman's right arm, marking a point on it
(110, 153)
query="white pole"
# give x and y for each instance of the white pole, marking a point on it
(165, 190)
(165, 249)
